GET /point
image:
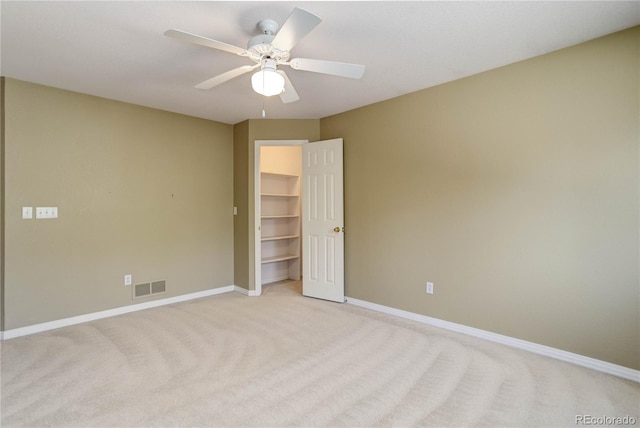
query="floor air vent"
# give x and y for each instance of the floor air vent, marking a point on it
(141, 290)
(158, 287)
(149, 288)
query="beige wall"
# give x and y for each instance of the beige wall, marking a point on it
(241, 201)
(245, 134)
(139, 191)
(515, 191)
(2, 180)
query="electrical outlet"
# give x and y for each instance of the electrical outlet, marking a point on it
(127, 280)
(429, 288)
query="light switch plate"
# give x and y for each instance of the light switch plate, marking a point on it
(27, 212)
(46, 212)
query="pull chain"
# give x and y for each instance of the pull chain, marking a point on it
(264, 113)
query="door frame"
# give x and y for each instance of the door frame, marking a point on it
(257, 248)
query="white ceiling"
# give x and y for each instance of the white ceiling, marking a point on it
(117, 50)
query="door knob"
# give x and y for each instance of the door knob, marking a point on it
(336, 229)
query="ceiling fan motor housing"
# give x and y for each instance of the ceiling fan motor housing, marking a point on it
(260, 47)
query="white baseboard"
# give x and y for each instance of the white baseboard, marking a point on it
(37, 328)
(580, 360)
(250, 293)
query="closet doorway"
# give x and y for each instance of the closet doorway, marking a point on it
(299, 215)
(278, 202)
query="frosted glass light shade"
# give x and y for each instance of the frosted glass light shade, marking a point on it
(267, 82)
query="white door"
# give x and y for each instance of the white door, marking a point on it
(323, 220)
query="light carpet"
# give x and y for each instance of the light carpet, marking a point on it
(286, 360)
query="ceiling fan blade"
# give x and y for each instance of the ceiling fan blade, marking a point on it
(295, 28)
(204, 41)
(343, 69)
(289, 94)
(221, 78)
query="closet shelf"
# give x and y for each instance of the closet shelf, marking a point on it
(266, 260)
(280, 236)
(275, 238)
(279, 174)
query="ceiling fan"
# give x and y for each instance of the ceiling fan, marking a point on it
(269, 50)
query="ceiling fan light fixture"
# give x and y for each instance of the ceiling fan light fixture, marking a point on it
(267, 81)
(270, 49)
